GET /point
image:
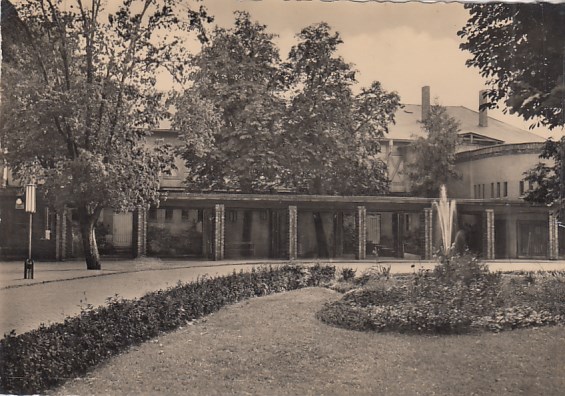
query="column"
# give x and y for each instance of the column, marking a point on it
(292, 232)
(58, 236)
(140, 232)
(361, 225)
(553, 237)
(426, 219)
(219, 217)
(61, 236)
(488, 234)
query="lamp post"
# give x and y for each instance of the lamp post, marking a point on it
(29, 208)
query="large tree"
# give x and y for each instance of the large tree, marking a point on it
(229, 117)
(520, 50)
(545, 177)
(331, 139)
(433, 156)
(79, 97)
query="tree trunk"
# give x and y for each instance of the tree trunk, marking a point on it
(246, 234)
(323, 251)
(87, 222)
(322, 243)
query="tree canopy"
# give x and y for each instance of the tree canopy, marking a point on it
(331, 137)
(79, 97)
(520, 50)
(433, 156)
(545, 176)
(252, 123)
(229, 118)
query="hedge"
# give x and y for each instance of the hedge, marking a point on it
(46, 357)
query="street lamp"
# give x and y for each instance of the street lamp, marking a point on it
(29, 208)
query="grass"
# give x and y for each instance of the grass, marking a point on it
(274, 345)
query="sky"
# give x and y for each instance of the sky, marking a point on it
(405, 46)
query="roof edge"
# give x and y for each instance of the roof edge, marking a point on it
(499, 150)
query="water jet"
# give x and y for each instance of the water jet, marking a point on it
(446, 212)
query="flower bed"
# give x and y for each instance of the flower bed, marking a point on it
(459, 296)
(41, 359)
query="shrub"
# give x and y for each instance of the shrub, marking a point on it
(517, 317)
(542, 291)
(347, 273)
(464, 268)
(377, 295)
(162, 242)
(345, 315)
(43, 358)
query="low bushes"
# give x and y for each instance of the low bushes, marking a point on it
(41, 359)
(460, 295)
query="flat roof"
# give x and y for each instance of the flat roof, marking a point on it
(383, 202)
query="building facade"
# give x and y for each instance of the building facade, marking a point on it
(491, 159)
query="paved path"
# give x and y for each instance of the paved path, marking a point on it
(60, 289)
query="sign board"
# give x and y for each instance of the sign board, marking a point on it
(30, 198)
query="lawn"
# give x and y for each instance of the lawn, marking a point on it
(275, 345)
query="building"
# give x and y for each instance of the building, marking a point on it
(498, 223)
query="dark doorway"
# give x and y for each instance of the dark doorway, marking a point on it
(500, 246)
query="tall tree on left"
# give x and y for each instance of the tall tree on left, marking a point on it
(79, 98)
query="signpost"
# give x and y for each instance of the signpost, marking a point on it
(29, 208)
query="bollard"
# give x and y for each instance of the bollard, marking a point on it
(28, 269)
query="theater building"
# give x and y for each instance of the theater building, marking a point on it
(491, 160)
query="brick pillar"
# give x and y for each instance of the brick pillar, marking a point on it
(58, 236)
(426, 220)
(292, 232)
(61, 236)
(219, 218)
(361, 225)
(488, 234)
(553, 253)
(140, 232)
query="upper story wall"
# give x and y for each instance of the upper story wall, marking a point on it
(396, 154)
(478, 131)
(174, 179)
(495, 172)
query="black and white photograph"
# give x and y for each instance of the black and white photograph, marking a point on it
(269, 197)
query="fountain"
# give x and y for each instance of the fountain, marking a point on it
(446, 216)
